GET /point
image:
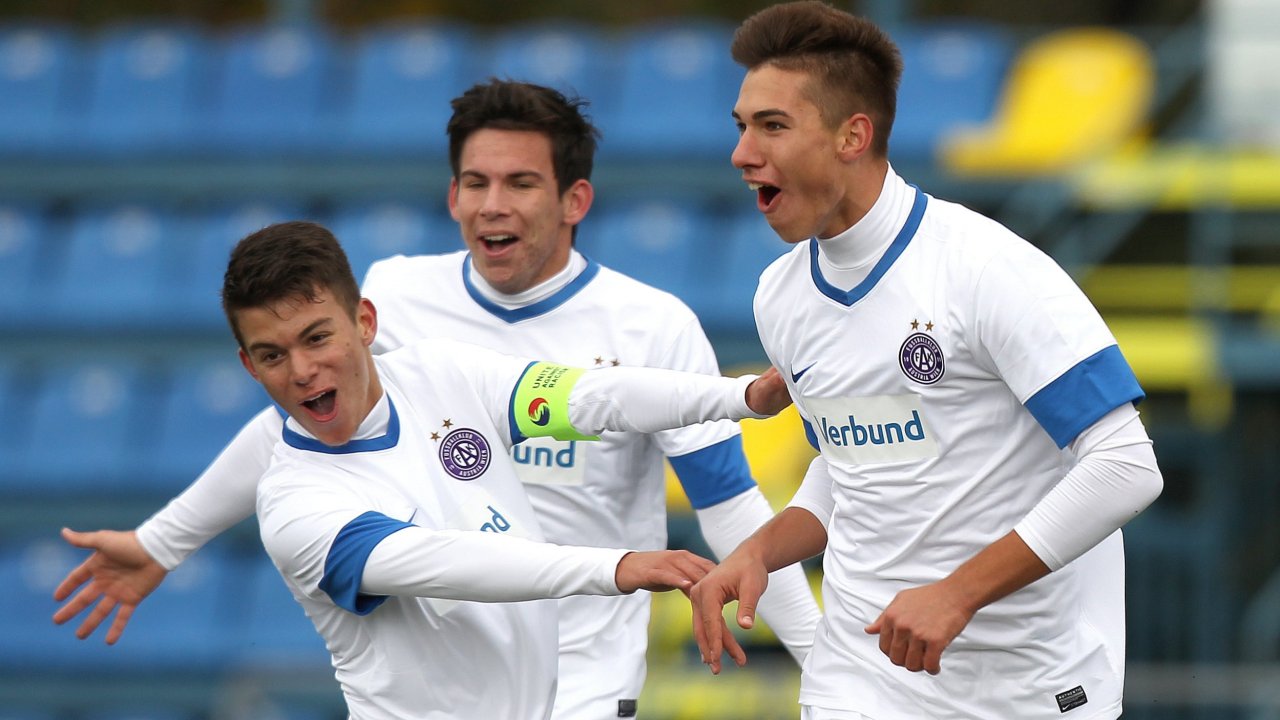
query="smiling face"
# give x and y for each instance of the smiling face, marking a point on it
(802, 170)
(517, 225)
(313, 359)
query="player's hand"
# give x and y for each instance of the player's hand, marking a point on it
(918, 625)
(660, 570)
(767, 394)
(739, 578)
(117, 576)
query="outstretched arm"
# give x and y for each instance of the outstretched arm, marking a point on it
(126, 566)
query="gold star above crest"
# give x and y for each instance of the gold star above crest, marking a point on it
(614, 362)
(435, 436)
(928, 326)
(447, 423)
(915, 324)
(599, 360)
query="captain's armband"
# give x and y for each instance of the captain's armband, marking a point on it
(540, 404)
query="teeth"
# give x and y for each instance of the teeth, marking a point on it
(755, 186)
(498, 238)
(316, 397)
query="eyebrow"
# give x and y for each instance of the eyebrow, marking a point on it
(305, 332)
(765, 114)
(519, 174)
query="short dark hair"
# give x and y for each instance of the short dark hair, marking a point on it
(511, 105)
(291, 259)
(854, 66)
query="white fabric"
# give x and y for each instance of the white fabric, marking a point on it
(927, 471)
(815, 493)
(646, 400)
(1114, 479)
(429, 657)
(222, 496)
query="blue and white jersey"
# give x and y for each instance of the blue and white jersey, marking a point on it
(608, 493)
(941, 389)
(433, 454)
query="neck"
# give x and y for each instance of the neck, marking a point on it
(565, 275)
(865, 180)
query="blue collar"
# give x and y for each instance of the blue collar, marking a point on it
(383, 442)
(542, 307)
(848, 298)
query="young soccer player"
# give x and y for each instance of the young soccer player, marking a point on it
(391, 497)
(522, 157)
(974, 415)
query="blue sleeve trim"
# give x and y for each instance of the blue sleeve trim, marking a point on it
(810, 435)
(517, 437)
(344, 567)
(714, 474)
(1079, 397)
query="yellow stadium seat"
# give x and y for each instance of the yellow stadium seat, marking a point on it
(1070, 96)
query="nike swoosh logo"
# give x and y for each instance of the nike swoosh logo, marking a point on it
(795, 376)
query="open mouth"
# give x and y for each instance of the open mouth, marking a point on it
(322, 407)
(765, 195)
(497, 243)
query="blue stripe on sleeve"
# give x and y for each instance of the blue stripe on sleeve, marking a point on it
(1079, 397)
(810, 435)
(517, 437)
(344, 566)
(714, 474)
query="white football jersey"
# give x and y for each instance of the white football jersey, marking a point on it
(940, 390)
(609, 493)
(438, 460)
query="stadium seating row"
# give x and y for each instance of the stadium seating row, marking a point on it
(158, 90)
(133, 266)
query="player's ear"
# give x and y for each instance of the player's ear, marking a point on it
(453, 198)
(367, 321)
(855, 136)
(577, 201)
(248, 364)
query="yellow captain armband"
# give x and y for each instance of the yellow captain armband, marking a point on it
(540, 404)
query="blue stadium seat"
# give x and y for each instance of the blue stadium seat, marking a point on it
(216, 232)
(118, 265)
(38, 66)
(677, 86)
(186, 624)
(277, 632)
(13, 421)
(23, 234)
(274, 92)
(656, 242)
(207, 402)
(85, 426)
(952, 75)
(375, 230)
(403, 81)
(747, 248)
(574, 58)
(146, 83)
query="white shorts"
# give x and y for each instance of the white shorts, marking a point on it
(603, 641)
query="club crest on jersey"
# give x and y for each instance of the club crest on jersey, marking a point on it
(539, 412)
(921, 359)
(465, 454)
